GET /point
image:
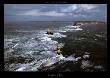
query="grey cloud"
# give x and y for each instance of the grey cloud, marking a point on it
(62, 11)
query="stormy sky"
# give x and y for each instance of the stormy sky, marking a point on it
(55, 12)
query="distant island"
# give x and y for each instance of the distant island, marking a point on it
(86, 22)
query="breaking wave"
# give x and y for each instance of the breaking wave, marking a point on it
(35, 51)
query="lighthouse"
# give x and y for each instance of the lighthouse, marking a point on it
(49, 32)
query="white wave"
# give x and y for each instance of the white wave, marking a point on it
(21, 69)
(69, 28)
(71, 58)
(43, 35)
(86, 56)
(73, 28)
(15, 45)
(86, 63)
(45, 38)
(12, 39)
(98, 67)
(35, 65)
(58, 35)
(45, 46)
(8, 39)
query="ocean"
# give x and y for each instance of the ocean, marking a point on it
(27, 47)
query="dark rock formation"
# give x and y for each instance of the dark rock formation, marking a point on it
(50, 33)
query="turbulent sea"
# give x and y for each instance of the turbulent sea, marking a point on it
(27, 47)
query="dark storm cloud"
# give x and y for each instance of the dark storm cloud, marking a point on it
(50, 12)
